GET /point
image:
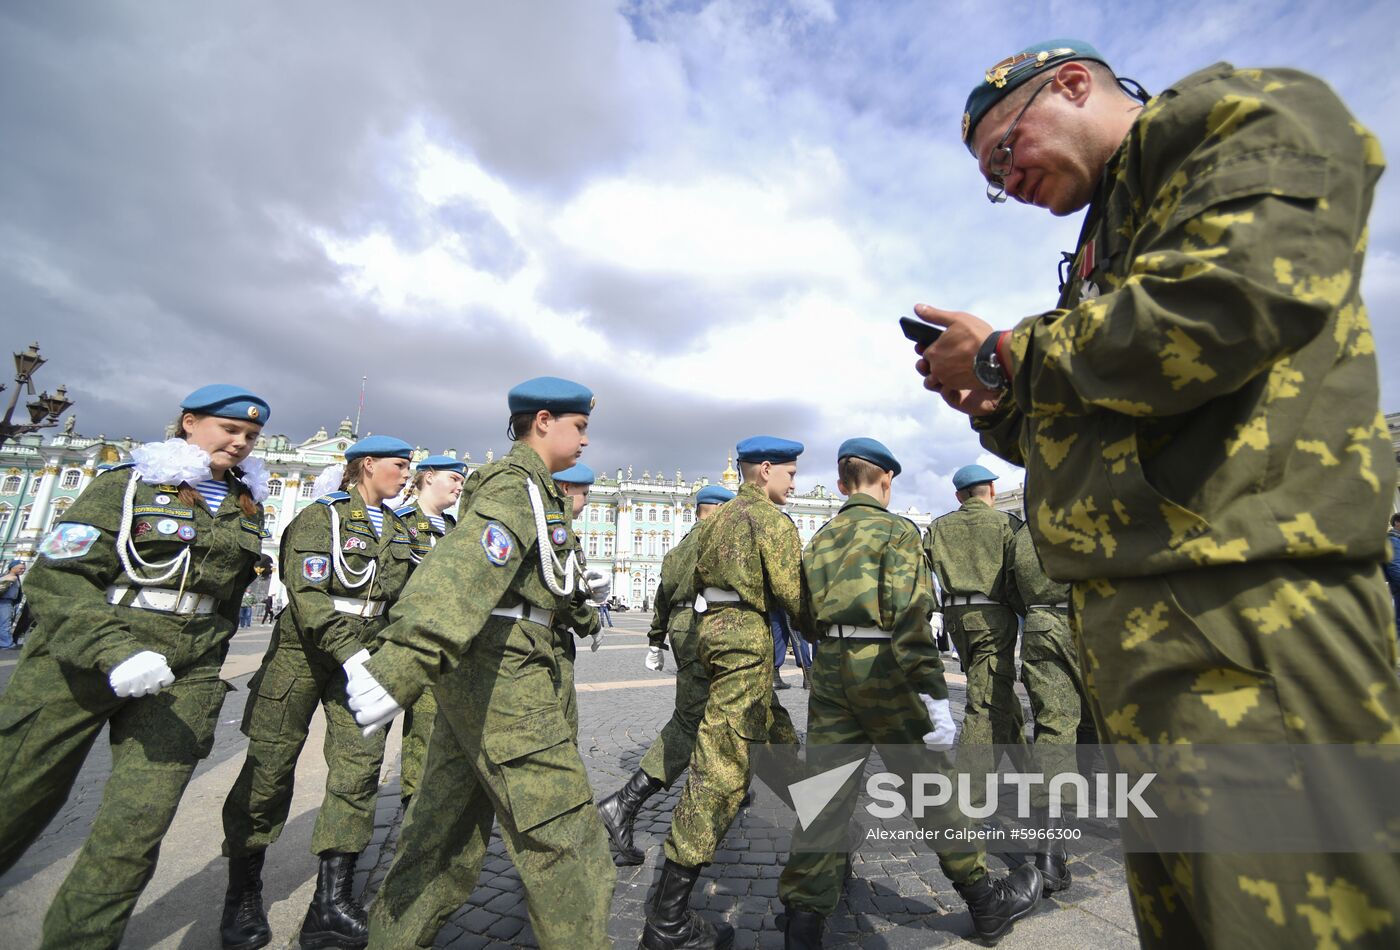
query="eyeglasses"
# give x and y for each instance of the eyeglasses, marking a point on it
(1002, 161)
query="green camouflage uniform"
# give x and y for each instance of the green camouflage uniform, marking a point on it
(753, 549)
(1207, 467)
(502, 747)
(59, 698)
(675, 618)
(418, 718)
(970, 551)
(303, 668)
(866, 568)
(1049, 664)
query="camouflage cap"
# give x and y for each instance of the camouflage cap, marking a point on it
(1000, 80)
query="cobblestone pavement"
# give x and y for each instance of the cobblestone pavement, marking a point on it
(895, 897)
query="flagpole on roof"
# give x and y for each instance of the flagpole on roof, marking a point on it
(361, 408)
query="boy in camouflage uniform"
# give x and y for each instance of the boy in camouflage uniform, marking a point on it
(675, 617)
(581, 621)
(877, 678)
(477, 621)
(1206, 459)
(749, 563)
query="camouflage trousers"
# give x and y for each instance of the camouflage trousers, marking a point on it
(502, 753)
(292, 681)
(735, 649)
(417, 731)
(50, 716)
(669, 755)
(860, 696)
(1289, 653)
(985, 638)
(1050, 673)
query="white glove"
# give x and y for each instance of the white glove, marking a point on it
(371, 703)
(656, 659)
(935, 625)
(597, 639)
(141, 674)
(599, 586)
(944, 732)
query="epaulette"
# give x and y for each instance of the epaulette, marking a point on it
(118, 466)
(405, 511)
(331, 498)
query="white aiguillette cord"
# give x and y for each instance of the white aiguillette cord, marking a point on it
(126, 551)
(569, 569)
(344, 571)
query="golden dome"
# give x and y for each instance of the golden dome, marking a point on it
(730, 478)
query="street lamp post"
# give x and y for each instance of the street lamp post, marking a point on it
(43, 411)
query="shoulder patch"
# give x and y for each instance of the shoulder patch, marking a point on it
(121, 465)
(316, 568)
(68, 540)
(255, 527)
(333, 497)
(404, 512)
(497, 543)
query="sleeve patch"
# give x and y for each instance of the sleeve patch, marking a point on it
(497, 543)
(316, 568)
(68, 540)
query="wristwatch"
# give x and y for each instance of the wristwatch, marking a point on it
(987, 366)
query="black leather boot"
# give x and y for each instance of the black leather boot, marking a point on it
(619, 810)
(244, 925)
(778, 680)
(997, 904)
(335, 919)
(1052, 860)
(806, 677)
(803, 931)
(671, 925)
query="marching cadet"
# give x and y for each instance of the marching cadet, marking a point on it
(135, 595)
(1206, 459)
(1050, 672)
(437, 483)
(878, 678)
(748, 563)
(344, 559)
(970, 550)
(477, 623)
(675, 618)
(582, 619)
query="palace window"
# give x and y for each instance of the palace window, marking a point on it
(607, 545)
(60, 507)
(7, 514)
(666, 515)
(71, 478)
(686, 517)
(665, 542)
(592, 545)
(651, 544)
(11, 485)
(274, 488)
(651, 514)
(269, 517)
(307, 485)
(637, 541)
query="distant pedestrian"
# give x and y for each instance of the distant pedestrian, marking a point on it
(1392, 567)
(268, 613)
(245, 610)
(10, 595)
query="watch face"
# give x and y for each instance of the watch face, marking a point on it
(988, 374)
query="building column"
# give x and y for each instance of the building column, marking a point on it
(39, 507)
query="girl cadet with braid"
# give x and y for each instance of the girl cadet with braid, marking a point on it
(344, 560)
(437, 484)
(135, 596)
(477, 623)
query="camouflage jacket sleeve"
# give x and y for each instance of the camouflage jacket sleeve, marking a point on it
(1000, 431)
(780, 547)
(67, 595)
(582, 616)
(665, 589)
(310, 601)
(451, 594)
(907, 593)
(1225, 190)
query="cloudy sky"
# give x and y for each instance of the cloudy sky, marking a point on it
(710, 213)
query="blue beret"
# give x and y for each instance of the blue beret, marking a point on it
(972, 475)
(870, 450)
(443, 463)
(379, 447)
(713, 495)
(768, 448)
(577, 474)
(227, 402)
(551, 394)
(1015, 71)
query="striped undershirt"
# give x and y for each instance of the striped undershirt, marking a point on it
(438, 522)
(376, 518)
(214, 492)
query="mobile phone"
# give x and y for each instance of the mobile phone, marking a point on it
(920, 332)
